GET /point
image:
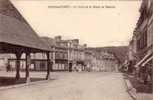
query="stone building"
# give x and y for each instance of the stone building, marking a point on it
(110, 63)
(142, 42)
(70, 55)
(104, 61)
(89, 59)
(66, 54)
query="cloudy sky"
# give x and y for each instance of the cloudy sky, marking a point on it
(102, 26)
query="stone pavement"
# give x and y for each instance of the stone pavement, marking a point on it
(133, 88)
(73, 86)
(144, 96)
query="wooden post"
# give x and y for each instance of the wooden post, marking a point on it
(48, 66)
(68, 59)
(54, 58)
(152, 79)
(152, 75)
(68, 53)
(18, 56)
(28, 63)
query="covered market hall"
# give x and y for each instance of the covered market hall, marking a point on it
(17, 37)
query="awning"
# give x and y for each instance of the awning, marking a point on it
(147, 61)
(143, 60)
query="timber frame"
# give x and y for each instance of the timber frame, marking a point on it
(18, 51)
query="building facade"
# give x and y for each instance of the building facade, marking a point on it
(66, 54)
(141, 46)
(69, 55)
(104, 61)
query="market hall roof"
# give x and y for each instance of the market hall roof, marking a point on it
(14, 30)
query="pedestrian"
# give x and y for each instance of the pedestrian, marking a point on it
(8, 67)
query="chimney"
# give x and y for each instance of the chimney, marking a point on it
(75, 41)
(85, 45)
(58, 38)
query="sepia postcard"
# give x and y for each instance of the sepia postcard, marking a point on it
(76, 50)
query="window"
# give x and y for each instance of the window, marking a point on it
(142, 42)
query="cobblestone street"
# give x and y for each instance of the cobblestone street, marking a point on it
(73, 86)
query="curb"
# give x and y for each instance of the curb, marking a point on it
(131, 91)
(24, 84)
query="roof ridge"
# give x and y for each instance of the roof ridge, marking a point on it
(16, 30)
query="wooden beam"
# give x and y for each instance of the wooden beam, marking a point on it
(48, 66)
(28, 63)
(18, 56)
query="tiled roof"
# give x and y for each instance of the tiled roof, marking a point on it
(7, 8)
(15, 30)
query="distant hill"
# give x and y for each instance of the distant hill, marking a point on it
(120, 52)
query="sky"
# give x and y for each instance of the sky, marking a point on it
(97, 27)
